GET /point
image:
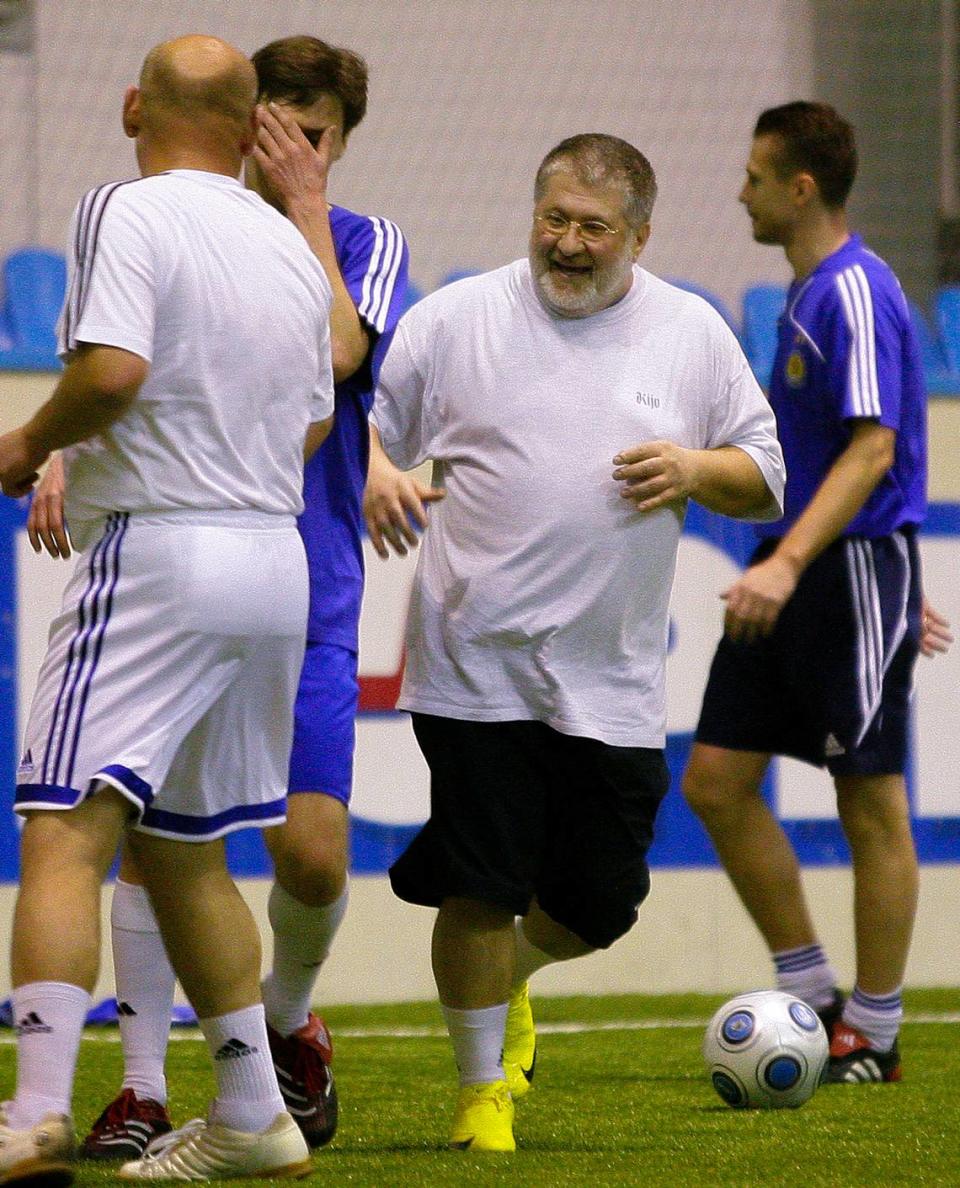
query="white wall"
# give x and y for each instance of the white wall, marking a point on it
(465, 100)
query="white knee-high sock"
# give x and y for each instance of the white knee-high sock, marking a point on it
(248, 1097)
(302, 938)
(145, 985)
(529, 957)
(477, 1038)
(49, 1018)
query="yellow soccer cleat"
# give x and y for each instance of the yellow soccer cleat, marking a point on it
(484, 1118)
(519, 1043)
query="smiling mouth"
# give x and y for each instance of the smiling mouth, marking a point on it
(570, 269)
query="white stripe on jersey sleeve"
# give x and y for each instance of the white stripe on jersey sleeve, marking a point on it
(857, 301)
(381, 276)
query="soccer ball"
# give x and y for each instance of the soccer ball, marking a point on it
(765, 1050)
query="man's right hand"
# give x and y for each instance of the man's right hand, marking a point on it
(46, 527)
(391, 498)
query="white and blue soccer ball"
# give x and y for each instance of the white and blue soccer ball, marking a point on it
(765, 1050)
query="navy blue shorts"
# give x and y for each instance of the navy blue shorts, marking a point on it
(324, 722)
(831, 685)
(519, 810)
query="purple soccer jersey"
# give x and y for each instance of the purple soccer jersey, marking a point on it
(373, 259)
(847, 351)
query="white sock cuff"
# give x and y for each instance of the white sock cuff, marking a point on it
(251, 1016)
(64, 992)
(131, 909)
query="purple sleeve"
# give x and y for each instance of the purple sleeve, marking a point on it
(373, 261)
(864, 347)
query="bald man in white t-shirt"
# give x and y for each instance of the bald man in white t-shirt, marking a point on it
(572, 403)
(197, 348)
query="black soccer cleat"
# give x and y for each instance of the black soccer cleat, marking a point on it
(833, 1012)
(302, 1064)
(853, 1062)
(125, 1128)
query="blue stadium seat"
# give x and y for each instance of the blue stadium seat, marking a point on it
(34, 282)
(762, 307)
(459, 274)
(947, 314)
(412, 296)
(941, 378)
(711, 299)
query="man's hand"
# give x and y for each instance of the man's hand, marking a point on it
(46, 526)
(755, 600)
(390, 499)
(656, 473)
(935, 633)
(20, 463)
(294, 168)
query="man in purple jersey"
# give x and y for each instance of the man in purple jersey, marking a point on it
(312, 96)
(823, 628)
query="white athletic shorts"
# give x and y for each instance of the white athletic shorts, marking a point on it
(171, 673)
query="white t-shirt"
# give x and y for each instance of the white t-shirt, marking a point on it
(223, 297)
(540, 592)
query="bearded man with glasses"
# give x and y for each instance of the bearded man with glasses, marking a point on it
(572, 403)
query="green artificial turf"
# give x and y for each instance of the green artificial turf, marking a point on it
(610, 1105)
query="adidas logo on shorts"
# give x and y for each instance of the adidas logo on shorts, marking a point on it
(26, 765)
(233, 1049)
(832, 748)
(32, 1024)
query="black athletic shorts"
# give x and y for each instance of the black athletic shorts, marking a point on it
(519, 810)
(831, 685)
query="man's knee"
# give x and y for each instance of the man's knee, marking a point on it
(874, 810)
(310, 861)
(717, 779)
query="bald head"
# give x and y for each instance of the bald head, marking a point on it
(197, 78)
(196, 93)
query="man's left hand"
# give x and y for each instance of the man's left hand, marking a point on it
(656, 473)
(295, 169)
(19, 464)
(755, 600)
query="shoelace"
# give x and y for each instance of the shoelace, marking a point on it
(160, 1146)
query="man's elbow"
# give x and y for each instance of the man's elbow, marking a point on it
(112, 375)
(346, 359)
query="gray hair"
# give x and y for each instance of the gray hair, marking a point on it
(597, 159)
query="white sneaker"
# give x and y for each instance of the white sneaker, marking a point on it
(210, 1151)
(42, 1154)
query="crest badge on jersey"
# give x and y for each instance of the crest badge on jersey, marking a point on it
(796, 369)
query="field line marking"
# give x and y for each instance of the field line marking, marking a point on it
(111, 1035)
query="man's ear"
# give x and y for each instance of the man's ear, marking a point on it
(805, 187)
(131, 112)
(642, 235)
(250, 135)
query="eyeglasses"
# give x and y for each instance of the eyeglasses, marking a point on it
(591, 231)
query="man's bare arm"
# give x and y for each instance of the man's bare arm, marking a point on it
(298, 172)
(725, 479)
(97, 387)
(755, 601)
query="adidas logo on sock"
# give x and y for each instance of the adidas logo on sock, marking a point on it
(233, 1049)
(124, 1008)
(32, 1024)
